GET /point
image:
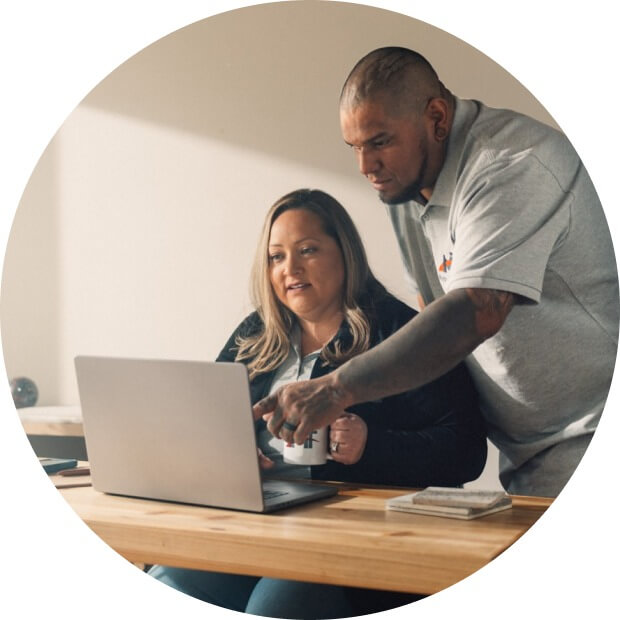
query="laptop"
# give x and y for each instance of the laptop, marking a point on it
(179, 431)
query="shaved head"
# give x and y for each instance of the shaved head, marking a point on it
(396, 116)
(401, 79)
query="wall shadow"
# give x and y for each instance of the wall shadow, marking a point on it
(268, 77)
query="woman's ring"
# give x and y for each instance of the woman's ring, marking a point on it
(290, 427)
(333, 447)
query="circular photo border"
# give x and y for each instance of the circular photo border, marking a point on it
(54, 565)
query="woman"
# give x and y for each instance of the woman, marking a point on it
(318, 304)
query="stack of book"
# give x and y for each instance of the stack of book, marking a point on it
(455, 503)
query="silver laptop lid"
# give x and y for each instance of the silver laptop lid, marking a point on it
(170, 430)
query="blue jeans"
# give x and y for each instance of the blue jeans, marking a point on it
(278, 598)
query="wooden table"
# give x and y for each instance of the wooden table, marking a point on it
(347, 540)
(61, 421)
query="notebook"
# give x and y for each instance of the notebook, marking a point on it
(53, 465)
(179, 431)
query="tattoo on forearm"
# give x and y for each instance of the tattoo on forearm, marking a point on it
(491, 308)
(432, 343)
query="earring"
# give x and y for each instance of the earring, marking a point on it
(440, 132)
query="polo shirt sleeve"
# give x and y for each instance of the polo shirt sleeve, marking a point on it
(511, 213)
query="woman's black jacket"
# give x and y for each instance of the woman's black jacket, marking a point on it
(433, 435)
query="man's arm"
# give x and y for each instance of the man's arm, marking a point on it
(432, 343)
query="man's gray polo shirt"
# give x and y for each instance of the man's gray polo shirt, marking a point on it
(514, 209)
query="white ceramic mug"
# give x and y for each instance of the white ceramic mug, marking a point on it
(312, 452)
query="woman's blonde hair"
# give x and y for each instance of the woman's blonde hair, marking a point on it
(269, 347)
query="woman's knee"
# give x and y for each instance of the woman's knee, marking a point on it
(281, 598)
(221, 589)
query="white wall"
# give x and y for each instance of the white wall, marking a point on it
(137, 229)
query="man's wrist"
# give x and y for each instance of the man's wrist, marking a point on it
(341, 390)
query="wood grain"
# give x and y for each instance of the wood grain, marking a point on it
(349, 540)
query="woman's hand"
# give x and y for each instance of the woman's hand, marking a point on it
(264, 461)
(347, 439)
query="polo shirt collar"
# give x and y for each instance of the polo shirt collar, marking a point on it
(465, 113)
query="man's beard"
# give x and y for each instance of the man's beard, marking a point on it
(412, 191)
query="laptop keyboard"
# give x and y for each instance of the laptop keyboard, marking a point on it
(273, 494)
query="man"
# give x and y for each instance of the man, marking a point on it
(505, 243)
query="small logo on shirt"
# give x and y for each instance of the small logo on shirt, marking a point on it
(446, 263)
